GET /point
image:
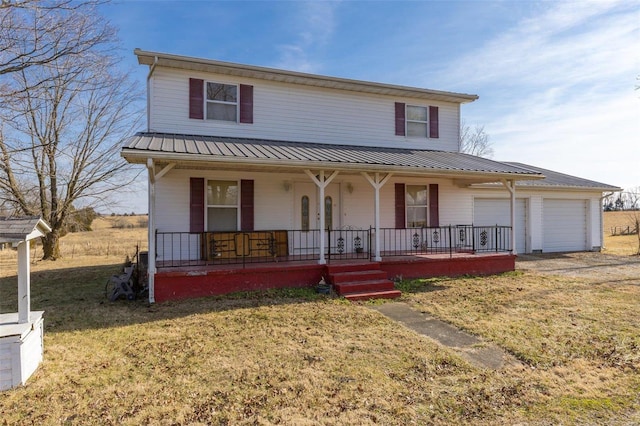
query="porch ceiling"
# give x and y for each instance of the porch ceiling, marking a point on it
(196, 151)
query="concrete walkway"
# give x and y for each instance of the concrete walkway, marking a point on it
(471, 348)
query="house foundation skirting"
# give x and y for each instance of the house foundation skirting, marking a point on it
(448, 267)
(185, 283)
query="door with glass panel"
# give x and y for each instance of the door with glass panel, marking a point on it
(306, 238)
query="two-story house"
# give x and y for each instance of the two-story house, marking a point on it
(261, 177)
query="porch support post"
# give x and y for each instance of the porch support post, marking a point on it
(321, 182)
(24, 283)
(377, 183)
(511, 187)
(151, 229)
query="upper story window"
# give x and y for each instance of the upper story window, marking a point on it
(222, 102)
(417, 121)
(417, 117)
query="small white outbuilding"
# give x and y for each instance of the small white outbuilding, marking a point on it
(21, 333)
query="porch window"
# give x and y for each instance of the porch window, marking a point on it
(416, 206)
(222, 102)
(417, 121)
(222, 205)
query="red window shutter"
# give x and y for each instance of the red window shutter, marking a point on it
(196, 207)
(246, 103)
(246, 205)
(400, 207)
(196, 98)
(400, 119)
(434, 216)
(433, 122)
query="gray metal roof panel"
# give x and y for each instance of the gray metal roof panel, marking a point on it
(557, 179)
(219, 148)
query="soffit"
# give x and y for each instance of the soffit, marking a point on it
(284, 76)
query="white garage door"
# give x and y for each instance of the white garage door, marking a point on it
(564, 224)
(488, 212)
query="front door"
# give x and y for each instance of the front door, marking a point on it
(307, 215)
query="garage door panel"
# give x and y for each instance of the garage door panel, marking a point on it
(564, 225)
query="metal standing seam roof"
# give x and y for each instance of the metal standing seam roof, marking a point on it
(176, 147)
(557, 179)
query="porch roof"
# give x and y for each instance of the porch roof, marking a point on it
(228, 152)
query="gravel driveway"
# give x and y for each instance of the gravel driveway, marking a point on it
(597, 267)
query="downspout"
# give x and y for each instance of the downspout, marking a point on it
(151, 230)
(151, 70)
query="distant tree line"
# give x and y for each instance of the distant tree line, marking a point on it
(625, 200)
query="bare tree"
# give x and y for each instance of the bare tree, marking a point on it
(633, 212)
(475, 141)
(39, 32)
(62, 127)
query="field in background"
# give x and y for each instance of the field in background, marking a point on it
(113, 239)
(619, 244)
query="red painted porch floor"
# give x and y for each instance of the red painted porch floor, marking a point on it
(197, 279)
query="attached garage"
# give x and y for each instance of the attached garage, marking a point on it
(564, 225)
(497, 211)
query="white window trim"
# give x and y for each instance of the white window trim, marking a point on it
(207, 205)
(406, 204)
(236, 103)
(407, 121)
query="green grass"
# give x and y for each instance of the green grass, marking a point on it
(295, 357)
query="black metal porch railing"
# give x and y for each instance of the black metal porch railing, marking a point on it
(175, 249)
(445, 239)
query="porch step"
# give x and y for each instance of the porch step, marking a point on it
(373, 295)
(363, 286)
(361, 281)
(347, 277)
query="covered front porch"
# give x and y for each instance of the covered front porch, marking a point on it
(223, 208)
(213, 263)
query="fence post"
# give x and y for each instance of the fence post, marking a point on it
(496, 238)
(450, 243)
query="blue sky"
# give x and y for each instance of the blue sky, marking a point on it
(556, 80)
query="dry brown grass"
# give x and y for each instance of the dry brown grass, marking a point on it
(624, 245)
(105, 244)
(293, 357)
(580, 340)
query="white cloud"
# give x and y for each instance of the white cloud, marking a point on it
(314, 25)
(557, 90)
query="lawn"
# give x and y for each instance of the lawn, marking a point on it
(294, 357)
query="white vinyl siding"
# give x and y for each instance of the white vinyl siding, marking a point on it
(564, 225)
(490, 212)
(297, 113)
